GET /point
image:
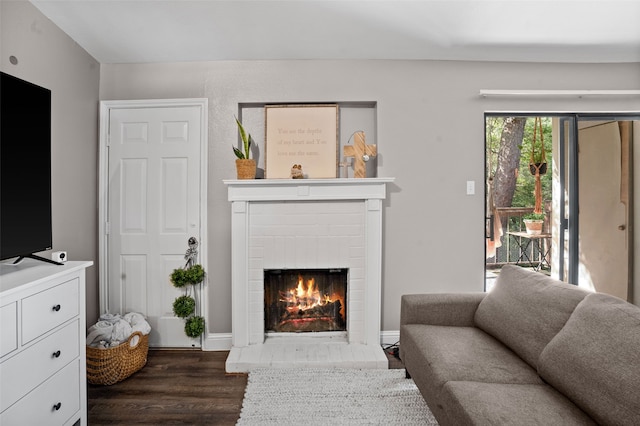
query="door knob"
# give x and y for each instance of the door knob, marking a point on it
(622, 227)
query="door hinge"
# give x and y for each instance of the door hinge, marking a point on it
(107, 228)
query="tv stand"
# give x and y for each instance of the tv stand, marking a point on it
(36, 257)
(42, 354)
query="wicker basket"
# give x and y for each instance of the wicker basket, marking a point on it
(112, 365)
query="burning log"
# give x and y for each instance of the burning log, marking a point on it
(319, 318)
(331, 310)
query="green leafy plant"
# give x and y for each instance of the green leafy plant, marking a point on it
(195, 274)
(190, 276)
(533, 216)
(246, 142)
(537, 155)
(538, 158)
(179, 278)
(194, 326)
(184, 306)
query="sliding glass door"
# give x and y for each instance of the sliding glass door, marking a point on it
(586, 195)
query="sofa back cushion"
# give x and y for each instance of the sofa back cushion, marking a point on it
(526, 309)
(595, 360)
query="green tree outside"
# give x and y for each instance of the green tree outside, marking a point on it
(525, 182)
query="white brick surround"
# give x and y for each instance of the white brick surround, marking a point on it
(293, 224)
(304, 235)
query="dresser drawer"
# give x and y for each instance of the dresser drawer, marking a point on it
(48, 309)
(52, 403)
(35, 364)
(8, 328)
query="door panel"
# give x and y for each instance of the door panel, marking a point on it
(153, 208)
(603, 239)
(565, 201)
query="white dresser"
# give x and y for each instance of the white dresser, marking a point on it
(42, 344)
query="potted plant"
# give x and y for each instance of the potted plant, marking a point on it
(538, 158)
(533, 223)
(538, 164)
(245, 167)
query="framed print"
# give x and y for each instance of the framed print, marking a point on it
(301, 141)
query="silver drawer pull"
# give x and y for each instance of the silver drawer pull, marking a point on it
(56, 308)
(57, 406)
(56, 354)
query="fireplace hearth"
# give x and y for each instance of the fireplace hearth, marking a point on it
(305, 300)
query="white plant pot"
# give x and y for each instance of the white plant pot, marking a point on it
(534, 227)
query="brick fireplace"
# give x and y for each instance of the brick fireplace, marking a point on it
(298, 225)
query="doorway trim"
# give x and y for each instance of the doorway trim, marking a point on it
(103, 190)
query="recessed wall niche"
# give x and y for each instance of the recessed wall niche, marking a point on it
(352, 117)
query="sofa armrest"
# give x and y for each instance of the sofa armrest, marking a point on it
(452, 309)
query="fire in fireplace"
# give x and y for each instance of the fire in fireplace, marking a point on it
(305, 300)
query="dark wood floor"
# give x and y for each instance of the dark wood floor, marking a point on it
(179, 387)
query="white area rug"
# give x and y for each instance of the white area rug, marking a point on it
(315, 396)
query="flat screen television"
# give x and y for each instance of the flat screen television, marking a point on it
(25, 169)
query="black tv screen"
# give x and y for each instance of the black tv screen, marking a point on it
(25, 168)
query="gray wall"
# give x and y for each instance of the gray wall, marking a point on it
(430, 129)
(48, 57)
(429, 134)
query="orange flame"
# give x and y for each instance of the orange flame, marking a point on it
(304, 297)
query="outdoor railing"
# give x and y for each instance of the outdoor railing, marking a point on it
(511, 249)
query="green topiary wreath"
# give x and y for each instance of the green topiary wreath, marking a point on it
(182, 277)
(195, 274)
(194, 326)
(179, 278)
(184, 306)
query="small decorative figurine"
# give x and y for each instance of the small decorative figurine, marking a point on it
(296, 172)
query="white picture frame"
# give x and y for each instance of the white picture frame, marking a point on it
(304, 136)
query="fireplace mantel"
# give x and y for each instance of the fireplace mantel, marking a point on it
(307, 189)
(306, 223)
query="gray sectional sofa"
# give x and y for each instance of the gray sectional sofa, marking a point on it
(533, 351)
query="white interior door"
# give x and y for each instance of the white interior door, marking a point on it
(154, 206)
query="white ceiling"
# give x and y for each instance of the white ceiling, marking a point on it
(131, 31)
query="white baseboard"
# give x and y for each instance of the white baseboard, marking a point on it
(222, 341)
(217, 342)
(389, 337)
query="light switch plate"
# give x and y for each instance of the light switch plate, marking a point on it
(471, 187)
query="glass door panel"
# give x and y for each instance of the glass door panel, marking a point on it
(604, 205)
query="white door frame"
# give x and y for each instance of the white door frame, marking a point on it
(103, 188)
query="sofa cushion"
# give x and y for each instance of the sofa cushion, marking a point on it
(526, 309)
(595, 359)
(465, 353)
(473, 403)
(434, 355)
